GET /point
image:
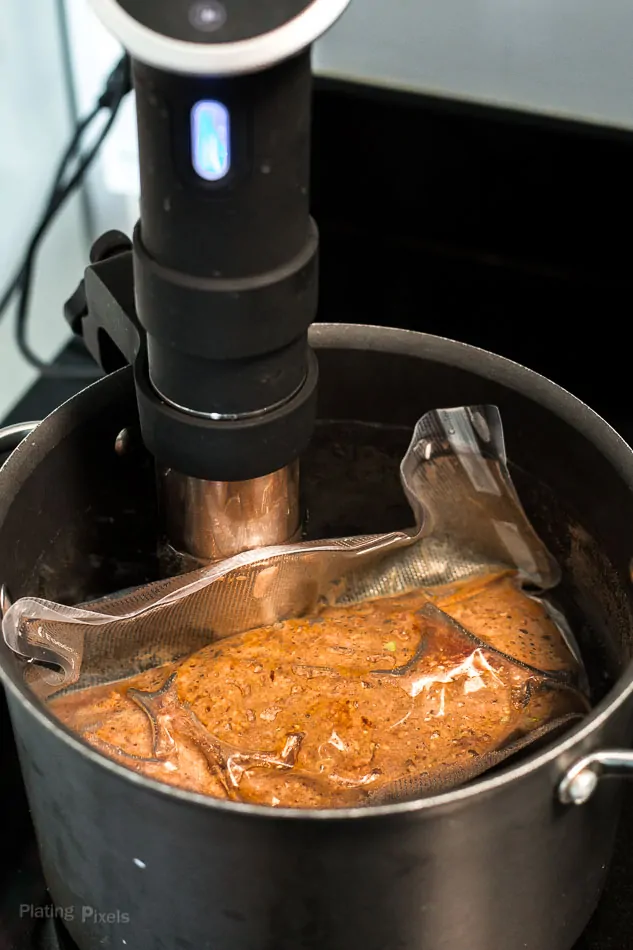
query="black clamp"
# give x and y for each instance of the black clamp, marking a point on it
(226, 387)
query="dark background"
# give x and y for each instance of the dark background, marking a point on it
(506, 231)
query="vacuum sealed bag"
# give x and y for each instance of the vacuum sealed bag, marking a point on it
(331, 673)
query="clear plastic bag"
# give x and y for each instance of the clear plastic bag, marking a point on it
(386, 699)
(469, 523)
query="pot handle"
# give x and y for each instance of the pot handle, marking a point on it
(11, 436)
(581, 779)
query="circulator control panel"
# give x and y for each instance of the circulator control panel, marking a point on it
(213, 21)
(217, 37)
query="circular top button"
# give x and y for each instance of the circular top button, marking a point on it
(207, 15)
(208, 25)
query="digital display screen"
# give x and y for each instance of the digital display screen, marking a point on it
(211, 140)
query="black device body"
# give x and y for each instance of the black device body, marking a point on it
(225, 276)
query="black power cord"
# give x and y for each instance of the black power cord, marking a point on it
(66, 181)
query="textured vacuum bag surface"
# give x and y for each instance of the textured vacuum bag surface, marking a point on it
(372, 702)
(351, 671)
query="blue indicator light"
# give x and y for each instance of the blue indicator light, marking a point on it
(211, 140)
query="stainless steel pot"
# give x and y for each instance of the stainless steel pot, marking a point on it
(507, 863)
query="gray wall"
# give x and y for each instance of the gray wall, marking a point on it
(569, 58)
(35, 125)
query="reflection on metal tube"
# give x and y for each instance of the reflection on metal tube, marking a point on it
(213, 520)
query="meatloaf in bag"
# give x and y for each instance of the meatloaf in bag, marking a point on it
(333, 673)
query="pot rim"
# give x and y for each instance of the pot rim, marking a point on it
(436, 349)
(11, 436)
